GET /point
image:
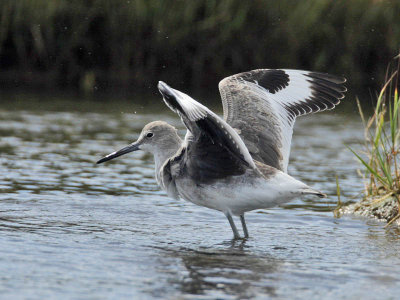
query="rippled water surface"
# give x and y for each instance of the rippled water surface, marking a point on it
(72, 229)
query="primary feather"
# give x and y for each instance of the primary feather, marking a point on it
(262, 106)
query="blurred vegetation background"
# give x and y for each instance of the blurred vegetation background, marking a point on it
(98, 46)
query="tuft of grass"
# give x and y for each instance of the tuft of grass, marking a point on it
(382, 142)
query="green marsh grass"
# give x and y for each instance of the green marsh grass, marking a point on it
(381, 153)
(102, 45)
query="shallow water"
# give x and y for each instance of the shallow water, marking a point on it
(72, 229)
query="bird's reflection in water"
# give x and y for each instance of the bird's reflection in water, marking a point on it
(227, 271)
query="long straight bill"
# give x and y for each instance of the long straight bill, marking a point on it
(127, 149)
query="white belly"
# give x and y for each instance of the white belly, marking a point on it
(239, 194)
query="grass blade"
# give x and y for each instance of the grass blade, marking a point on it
(369, 168)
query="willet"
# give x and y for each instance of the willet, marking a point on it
(237, 163)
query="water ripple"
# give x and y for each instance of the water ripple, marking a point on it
(70, 228)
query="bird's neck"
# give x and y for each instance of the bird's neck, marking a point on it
(165, 153)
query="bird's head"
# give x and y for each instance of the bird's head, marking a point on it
(157, 137)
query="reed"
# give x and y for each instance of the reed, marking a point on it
(135, 43)
(381, 153)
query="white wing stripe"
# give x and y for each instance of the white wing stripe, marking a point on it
(281, 95)
(195, 111)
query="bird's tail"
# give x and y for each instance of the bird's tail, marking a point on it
(313, 192)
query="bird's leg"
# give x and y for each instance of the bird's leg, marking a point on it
(233, 226)
(246, 233)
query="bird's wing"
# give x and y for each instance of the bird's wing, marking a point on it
(213, 149)
(262, 105)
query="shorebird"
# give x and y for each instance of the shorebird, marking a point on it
(237, 163)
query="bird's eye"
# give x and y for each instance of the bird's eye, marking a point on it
(149, 135)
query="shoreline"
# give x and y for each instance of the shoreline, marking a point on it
(383, 208)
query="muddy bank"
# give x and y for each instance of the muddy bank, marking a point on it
(383, 208)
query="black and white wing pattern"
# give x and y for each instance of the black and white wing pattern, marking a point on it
(213, 150)
(262, 106)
